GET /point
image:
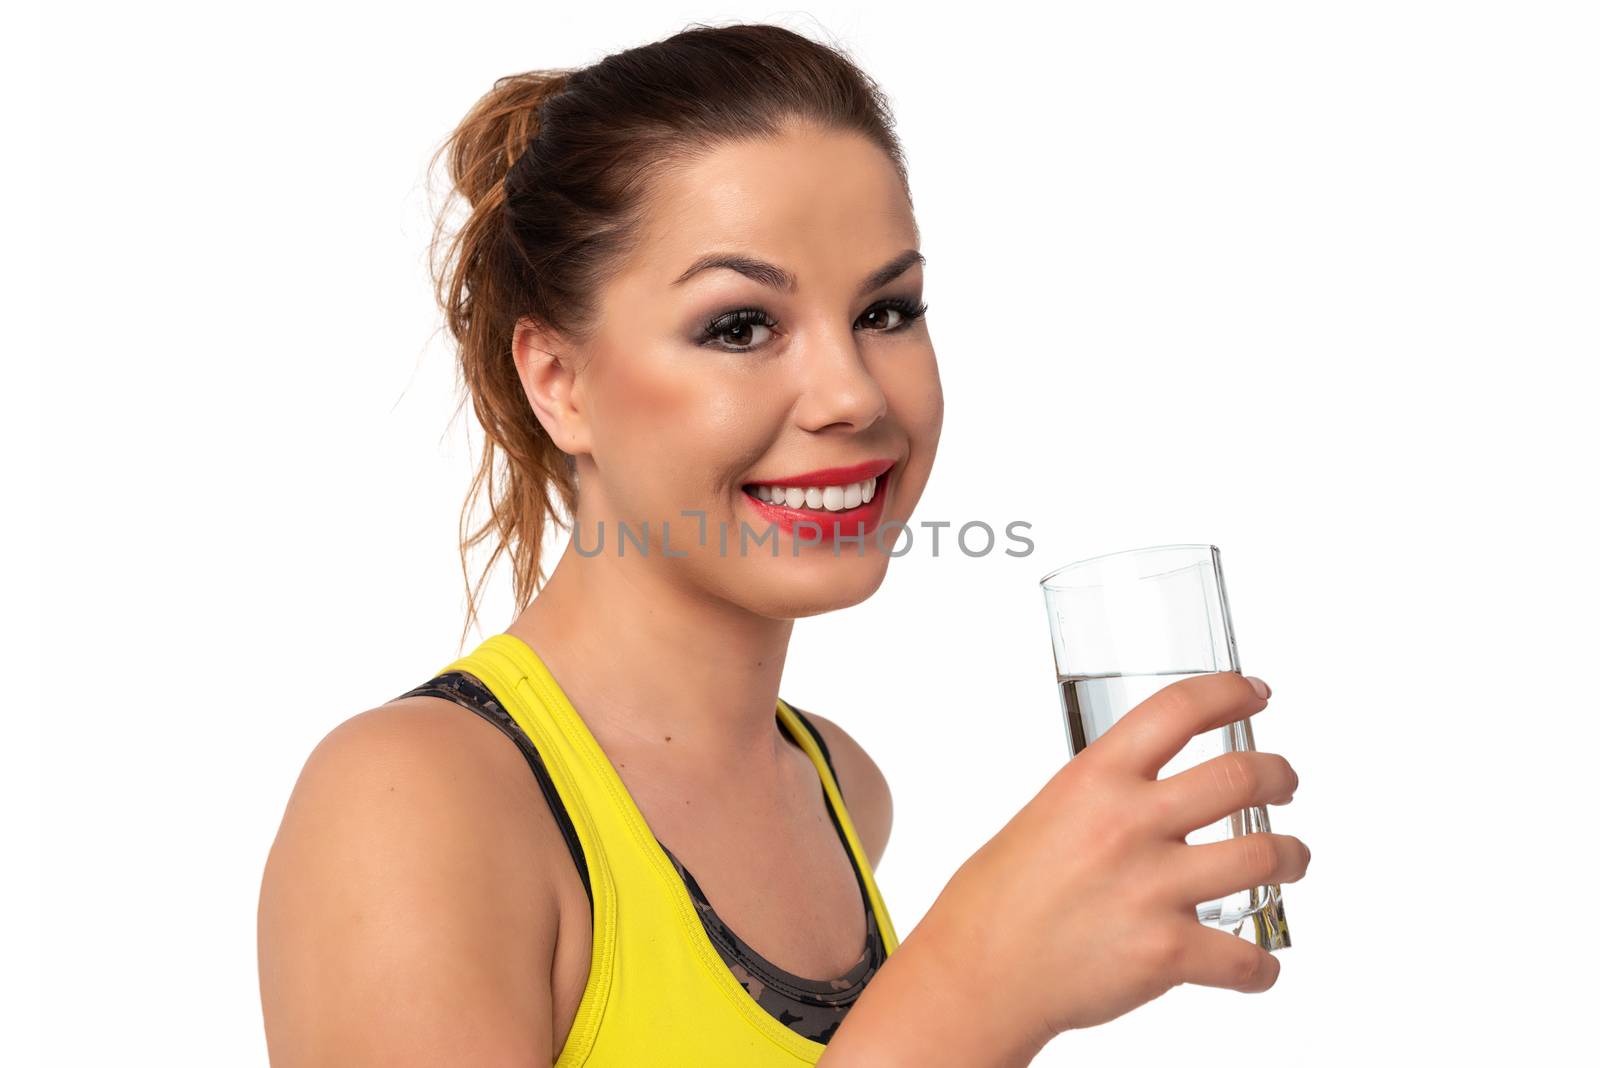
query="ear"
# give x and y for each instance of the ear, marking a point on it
(547, 367)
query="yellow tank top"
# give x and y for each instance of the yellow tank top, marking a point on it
(658, 992)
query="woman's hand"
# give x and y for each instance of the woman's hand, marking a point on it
(1083, 906)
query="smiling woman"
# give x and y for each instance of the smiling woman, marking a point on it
(707, 372)
(688, 291)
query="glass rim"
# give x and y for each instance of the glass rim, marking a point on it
(1045, 581)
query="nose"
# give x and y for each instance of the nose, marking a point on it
(837, 388)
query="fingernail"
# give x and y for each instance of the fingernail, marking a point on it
(1263, 691)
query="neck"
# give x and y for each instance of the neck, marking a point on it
(662, 675)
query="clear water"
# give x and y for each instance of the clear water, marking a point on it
(1091, 704)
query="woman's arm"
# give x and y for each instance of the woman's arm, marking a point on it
(401, 920)
(919, 1008)
(1082, 907)
(927, 1006)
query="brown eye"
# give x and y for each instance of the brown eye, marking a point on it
(890, 313)
(738, 327)
(899, 313)
(740, 334)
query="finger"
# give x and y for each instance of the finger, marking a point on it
(1152, 732)
(1221, 786)
(1216, 958)
(1217, 869)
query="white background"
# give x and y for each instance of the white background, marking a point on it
(1314, 283)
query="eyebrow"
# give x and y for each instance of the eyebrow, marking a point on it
(769, 274)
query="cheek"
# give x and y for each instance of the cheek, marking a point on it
(663, 419)
(917, 397)
(637, 390)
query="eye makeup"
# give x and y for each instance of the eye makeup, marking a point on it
(741, 319)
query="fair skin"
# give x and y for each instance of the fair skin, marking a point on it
(674, 663)
(419, 906)
(661, 425)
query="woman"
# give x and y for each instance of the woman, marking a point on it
(688, 306)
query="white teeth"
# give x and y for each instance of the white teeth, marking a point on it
(821, 498)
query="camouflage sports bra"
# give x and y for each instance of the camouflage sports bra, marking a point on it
(813, 1008)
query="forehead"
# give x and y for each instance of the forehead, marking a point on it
(811, 201)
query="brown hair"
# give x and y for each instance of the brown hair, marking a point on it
(556, 168)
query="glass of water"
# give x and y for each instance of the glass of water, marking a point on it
(1127, 624)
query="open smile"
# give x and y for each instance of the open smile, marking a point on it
(841, 501)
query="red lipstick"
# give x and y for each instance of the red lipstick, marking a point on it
(830, 476)
(823, 526)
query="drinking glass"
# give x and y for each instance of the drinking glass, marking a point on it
(1127, 624)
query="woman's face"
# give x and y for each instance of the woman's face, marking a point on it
(687, 405)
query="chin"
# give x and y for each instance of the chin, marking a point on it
(786, 588)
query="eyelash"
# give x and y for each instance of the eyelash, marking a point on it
(910, 311)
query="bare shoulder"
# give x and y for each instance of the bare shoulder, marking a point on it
(862, 782)
(407, 916)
